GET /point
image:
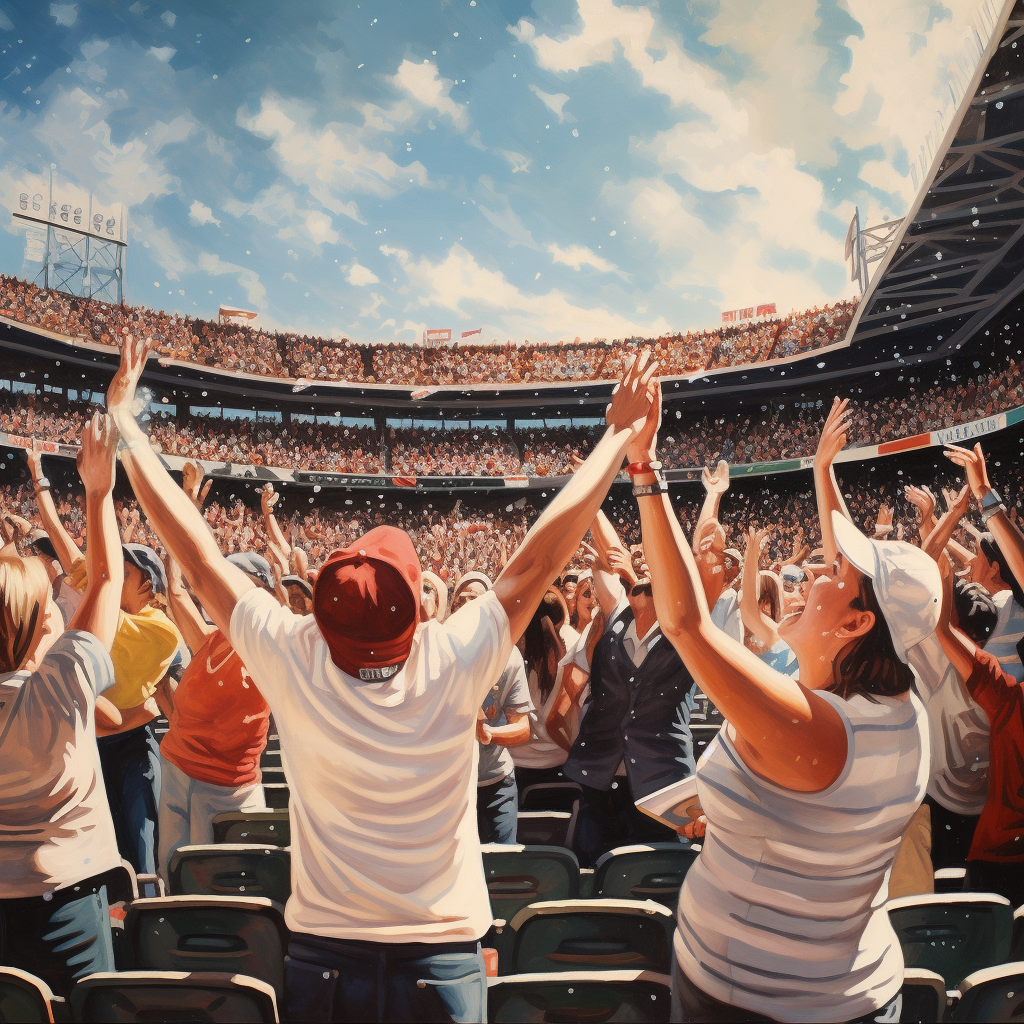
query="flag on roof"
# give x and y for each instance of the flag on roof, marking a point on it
(229, 312)
(469, 334)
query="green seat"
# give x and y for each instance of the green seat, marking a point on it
(584, 997)
(992, 994)
(544, 828)
(231, 869)
(653, 871)
(276, 795)
(924, 996)
(172, 996)
(228, 934)
(593, 935)
(270, 827)
(24, 997)
(953, 934)
(520, 875)
(550, 796)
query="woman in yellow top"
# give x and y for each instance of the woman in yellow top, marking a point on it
(142, 652)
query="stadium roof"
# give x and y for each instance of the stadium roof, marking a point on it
(959, 256)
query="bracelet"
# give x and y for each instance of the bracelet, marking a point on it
(660, 486)
(991, 499)
(988, 513)
(42, 484)
(636, 468)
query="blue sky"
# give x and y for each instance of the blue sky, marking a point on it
(541, 170)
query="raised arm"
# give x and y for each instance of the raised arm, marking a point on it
(924, 501)
(957, 647)
(101, 605)
(277, 543)
(715, 485)
(68, 552)
(785, 732)
(830, 444)
(1005, 532)
(750, 609)
(194, 629)
(177, 522)
(556, 535)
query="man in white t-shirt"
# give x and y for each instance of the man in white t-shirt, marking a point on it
(378, 731)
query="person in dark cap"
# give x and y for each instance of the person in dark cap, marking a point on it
(378, 724)
(210, 757)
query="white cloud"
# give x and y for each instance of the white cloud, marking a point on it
(169, 18)
(505, 220)
(518, 161)
(373, 309)
(163, 53)
(576, 256)
(162, 247)
(320, 228)
(331, 161)
(210, 263)
(361, 276)
(460, 285)
(426, 86)
(555, 102)
(201, 214)
(64, 14)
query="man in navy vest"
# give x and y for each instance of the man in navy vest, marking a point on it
(635, 736)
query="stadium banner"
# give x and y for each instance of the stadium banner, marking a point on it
(517, 481)
(436, 336)
(730, 316)
(905, 444)
(469, 334)
(766, 309)
(967, 431)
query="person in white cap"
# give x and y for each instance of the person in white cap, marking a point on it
(810, 784)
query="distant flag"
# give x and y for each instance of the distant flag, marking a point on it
(233, 312)
(469, 334)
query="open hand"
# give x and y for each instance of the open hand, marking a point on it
(121, 392)
(96, 464)
(974, 463)
(268, 499)
(631, 399)
(717, 482)
(833, 434)
(922, 499)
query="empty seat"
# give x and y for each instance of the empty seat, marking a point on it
(593, 996)
(992, 994)
(269, 827)
(600, 935)
(172, 996)
(24, 997)
(550, 796)
(653, 871)
(950, 879)
(276, 794)
(702, 737)
(924, 996)
(953, 934)
(1017, 942)
(209, 933)
(543, 828)
(229, 869)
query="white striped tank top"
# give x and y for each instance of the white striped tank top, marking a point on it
(784, 911)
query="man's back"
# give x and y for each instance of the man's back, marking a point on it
(382, 773)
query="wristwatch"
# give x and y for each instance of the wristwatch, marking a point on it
(991, 499)
(660, 486)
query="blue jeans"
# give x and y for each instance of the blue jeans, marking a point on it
(497, 810)
(131, 776)
(339, 980)
(60, 938)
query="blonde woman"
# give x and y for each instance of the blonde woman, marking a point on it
(56, 835)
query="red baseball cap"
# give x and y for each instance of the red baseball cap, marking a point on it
(366, 601)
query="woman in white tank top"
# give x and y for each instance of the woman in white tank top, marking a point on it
(810, 784)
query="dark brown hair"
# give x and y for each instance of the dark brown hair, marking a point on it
(869, 665)
(542, 639)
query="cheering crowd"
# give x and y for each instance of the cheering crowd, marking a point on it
(251, 350)
(749, 434)
(421, 666)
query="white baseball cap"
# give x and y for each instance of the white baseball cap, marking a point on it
(906, 582)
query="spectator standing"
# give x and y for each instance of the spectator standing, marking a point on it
(57, 841)
(378, 725)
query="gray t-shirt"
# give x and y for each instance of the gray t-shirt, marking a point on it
(510, 693)
(55, 824)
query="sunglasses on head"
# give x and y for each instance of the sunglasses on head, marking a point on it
(642, 590)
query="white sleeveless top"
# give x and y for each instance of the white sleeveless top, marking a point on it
(784, 911)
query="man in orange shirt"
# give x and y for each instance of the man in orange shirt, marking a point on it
(210, 757)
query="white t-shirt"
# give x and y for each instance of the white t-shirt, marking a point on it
(382, 775)
(726, 614)
(959, 731)
(55, 824)
(784, 911)
(1009, 628)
